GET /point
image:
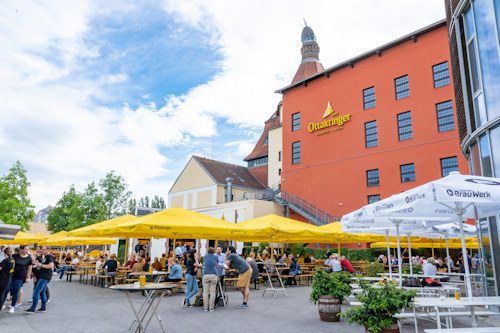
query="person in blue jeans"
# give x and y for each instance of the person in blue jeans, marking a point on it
(45, 264)
(191, 270)
(74, 263)
(22, 271)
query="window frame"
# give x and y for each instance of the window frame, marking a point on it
(367, 103)
(447, 116)
(401, 125)
(438, 72)
(368, 178)
(294, 147)
(295, 119)
(372, 196)
(402, 92)
(367, 142)
(407, 173)
(441, 160)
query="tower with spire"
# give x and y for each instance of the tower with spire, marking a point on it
(310, 63)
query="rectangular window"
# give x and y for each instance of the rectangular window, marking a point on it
(295, 121)
(372, 178)
(371, 136)
(369, 98)
(279, 172)
(448, 165)
(441, 74)
(373, 198)
(296, 152)
(266, 141)
(405, 131)
(446, 121)
(279, 156)
(402, 87)
(407, 173)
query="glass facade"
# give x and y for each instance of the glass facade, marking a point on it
(475, 53)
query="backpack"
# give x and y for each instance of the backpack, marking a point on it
(428, 282)
(411, 282)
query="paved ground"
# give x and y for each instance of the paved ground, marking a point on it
(83, 308)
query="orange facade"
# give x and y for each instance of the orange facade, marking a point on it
(332, 172)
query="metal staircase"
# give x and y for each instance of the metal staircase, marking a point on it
(311, 212)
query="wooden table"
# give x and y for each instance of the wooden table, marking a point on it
(149, 306)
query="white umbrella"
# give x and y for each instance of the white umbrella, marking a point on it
(455, 195)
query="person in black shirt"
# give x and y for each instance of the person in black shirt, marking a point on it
(6, 270)
(36, 273)
(112, 266)
(22, 271)
(45, 264)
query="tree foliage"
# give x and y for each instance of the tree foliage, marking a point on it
(15, 206)
(157, 202)
(78, 209)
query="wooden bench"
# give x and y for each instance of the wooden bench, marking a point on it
(69, 275)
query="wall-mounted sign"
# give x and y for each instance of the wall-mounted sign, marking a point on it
(330, 119)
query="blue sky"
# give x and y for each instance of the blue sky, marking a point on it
(89, 87)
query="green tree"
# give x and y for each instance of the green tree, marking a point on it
(15, 206)
(115, 195)
(60, 216)
(132, 203)
(158, 202)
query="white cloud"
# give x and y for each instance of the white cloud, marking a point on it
(51, 122)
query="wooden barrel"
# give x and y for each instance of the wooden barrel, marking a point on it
(329, 308)
(390, 329)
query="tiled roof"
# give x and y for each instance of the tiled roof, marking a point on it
(260, 148)
(307, 69)
(220, 171)
(260, 172)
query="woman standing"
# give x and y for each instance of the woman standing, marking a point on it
(191, 270)
(6, 270)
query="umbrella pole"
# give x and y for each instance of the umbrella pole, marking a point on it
(409, 253)
(432, 248)
(447, 254)
(338, 248)
(465, 257)
(388, 254)
(399, 254)
(126, 251)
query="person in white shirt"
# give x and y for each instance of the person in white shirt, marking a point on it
(429, 269)
(2, 254)
(74, 263)
(178, 252)
(80, 254)
(334, 262)
(99, 263)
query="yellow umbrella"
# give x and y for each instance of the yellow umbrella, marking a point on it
(92, 230)
(172, 223)
(25, 238)
(427, 245)
(277, 229)
(335, 235)
(62, 238)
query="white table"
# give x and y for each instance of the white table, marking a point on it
(449, 302)
(149, 304)
(157, 275)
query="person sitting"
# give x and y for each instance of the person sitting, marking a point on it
(252, 253)
(74, 264)
(163, 262)
(175, 274)
(283, 259)
(111, 267)
(334, 262)
(99, 263)
(138, 266)
(145, 268)
(307, 259)
(429, 269)
(293, 271)
(130, 263)
(346, 265)
(157, 265)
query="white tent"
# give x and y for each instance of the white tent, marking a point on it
(454, 196)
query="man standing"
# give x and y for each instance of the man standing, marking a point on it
(6, 270)
(45, 263)
(22, 271)
(210, 262)
(221, 257)
(244, 270)
(179, 252)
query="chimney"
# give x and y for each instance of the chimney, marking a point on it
(229, 189)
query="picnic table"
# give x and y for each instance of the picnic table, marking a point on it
(156, 275)
(438, 304)
(154, 293)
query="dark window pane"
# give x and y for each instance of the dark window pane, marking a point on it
(369, 98)
(407, 173)
(441, 75)
(371, 136)
(296, 121)
(372, 178)
(404, 126)
(373, 198)
(446, 121)
(402, 87)
(448, 165)
(296, 152)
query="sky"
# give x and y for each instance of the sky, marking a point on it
(138, 87)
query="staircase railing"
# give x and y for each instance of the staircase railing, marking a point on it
(310, 211)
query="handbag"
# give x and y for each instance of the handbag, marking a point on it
(411, 282)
